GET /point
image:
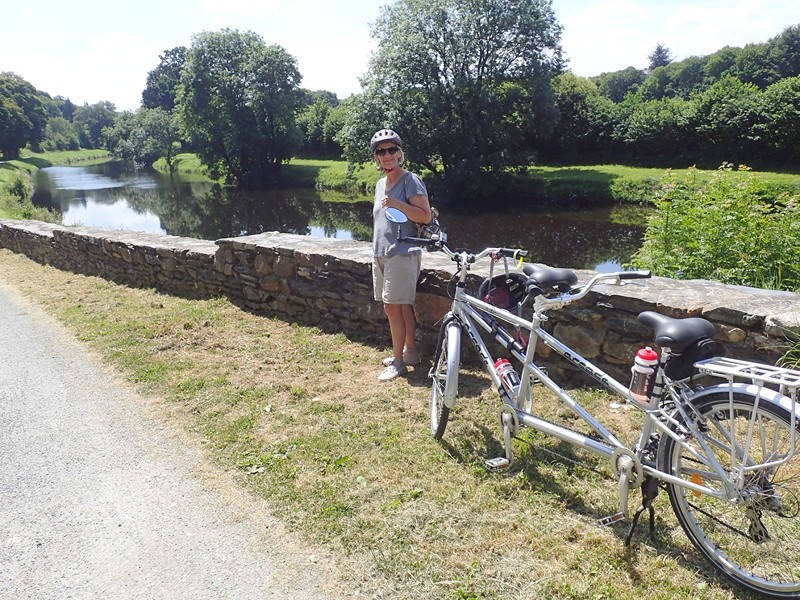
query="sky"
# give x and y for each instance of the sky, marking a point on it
(90, 51)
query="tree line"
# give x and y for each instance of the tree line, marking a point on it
(476, 89)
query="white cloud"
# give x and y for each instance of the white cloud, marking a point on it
(614, 34)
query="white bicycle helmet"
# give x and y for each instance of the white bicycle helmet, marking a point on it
(384, 135)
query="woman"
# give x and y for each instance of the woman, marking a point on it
(396, 265)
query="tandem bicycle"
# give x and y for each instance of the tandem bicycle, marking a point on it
(719, 434)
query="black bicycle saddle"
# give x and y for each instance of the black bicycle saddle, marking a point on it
(677, 334)
(546, 278)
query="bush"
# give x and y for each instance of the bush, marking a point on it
(732, 228)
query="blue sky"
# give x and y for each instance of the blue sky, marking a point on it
(91, 50)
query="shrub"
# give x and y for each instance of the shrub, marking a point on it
(731, 228)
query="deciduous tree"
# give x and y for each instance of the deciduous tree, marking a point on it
(23, 115)
(465, 83)
(162, 82)
(237, 103)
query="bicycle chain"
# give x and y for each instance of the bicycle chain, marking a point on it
(566, 458)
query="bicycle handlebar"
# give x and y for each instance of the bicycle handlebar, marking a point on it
(577, 293)
(459, 253)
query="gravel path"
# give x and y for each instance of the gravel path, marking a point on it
(101, 499)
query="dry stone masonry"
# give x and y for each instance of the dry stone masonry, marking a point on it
(328, 283)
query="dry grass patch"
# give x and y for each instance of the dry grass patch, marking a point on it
(348, 462)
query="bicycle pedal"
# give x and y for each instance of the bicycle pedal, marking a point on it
(611, 519)
(501, 463)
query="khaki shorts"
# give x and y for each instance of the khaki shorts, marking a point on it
(394, 279)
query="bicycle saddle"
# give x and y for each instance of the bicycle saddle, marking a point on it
(548, 278)
(677, 334)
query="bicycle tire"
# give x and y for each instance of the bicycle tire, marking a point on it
(444, 375)
(753, 542)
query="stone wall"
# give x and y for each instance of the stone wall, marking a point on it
(328, 283)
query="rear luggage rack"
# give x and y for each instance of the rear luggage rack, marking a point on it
(787, 380)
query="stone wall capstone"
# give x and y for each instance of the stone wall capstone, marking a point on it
(328, 283)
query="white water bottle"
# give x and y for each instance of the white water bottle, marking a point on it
(642, 371)
(508, 377)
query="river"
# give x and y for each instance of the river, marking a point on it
(112, 196)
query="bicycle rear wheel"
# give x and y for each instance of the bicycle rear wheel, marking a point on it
(444, 375)
(754, 540)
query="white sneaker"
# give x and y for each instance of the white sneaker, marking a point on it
(410, 357)
(395, 369)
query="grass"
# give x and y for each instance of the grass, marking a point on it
(299, 418)
(619, 183)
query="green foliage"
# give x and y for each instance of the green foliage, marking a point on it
(60, 134)
(145, 136)
(162, 82)
(23, 115)
(586, 122)
(15, 192)
(617, 84)
(237, 102)
(730, 229)
(466, 85)
(320, 122)
(727, 114)
(655, 128)
(91, 120)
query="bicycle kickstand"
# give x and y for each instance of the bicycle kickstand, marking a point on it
(649, 493)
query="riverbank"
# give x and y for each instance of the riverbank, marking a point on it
(585, 185)
(16, 187)
(579, 184)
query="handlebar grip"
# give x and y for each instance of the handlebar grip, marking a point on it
(513, 253)
(636, 274)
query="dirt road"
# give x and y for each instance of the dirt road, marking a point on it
(100, 498)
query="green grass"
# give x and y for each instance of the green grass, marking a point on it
(619, 183)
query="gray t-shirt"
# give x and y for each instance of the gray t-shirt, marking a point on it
(384, 237)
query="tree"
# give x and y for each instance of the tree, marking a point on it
(720, 63)
(660, 57)
(466, 84)
(237, 103)
(145, 136)
(90, 120)
(318, 140)
(728, 114)
(617, 84)
(755, 64)
(656, 129)
(60, 134)
(782, 119)
(157, 131)
(585, 123)
(23, 115)
(162, 82)
(786, 51)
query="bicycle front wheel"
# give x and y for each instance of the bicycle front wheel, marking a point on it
(444, 375)
(755, 538)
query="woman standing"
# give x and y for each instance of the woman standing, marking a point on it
(396, 265)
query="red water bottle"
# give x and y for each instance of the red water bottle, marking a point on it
(642, 371)
(508, 377)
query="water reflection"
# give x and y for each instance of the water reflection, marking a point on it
(111, 196)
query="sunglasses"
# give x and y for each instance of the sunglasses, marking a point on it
(392, 151)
